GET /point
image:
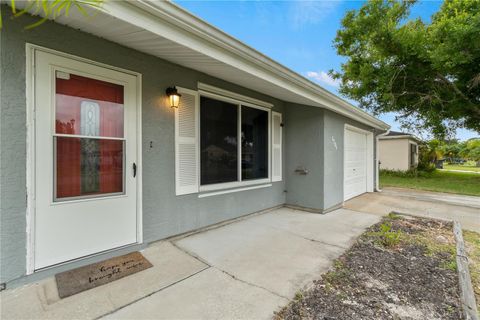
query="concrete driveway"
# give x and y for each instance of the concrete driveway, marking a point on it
(246, 269)
(465, 209)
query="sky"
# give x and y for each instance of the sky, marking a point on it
(297, 34)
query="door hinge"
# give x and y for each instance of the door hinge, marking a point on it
(134, 170)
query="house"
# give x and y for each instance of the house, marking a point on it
(96, 162)
(398, 151)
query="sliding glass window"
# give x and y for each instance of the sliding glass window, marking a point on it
(254, 143)
(233, 142)
(218, 141)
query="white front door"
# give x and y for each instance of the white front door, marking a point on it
(85, 159)
(355, 170)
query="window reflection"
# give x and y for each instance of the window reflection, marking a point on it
(219, 136)
(94, 108)
(218, 141)
(88, 166)
(90, 107)
(254, 143)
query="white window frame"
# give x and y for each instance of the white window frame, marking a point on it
(239, 182)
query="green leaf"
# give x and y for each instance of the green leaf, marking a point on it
(12, 4)
(423, 71)
(51, 9)
(36, 24)
(81, 9)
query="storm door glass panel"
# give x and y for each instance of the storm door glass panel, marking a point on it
(254, 143)
(89, 137)
(218, 141)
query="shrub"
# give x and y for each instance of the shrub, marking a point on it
(412, 173)
(397, 173)
(426, 167)
(384, 236)
(388, 237)
(393, 216)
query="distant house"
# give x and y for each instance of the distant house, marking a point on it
(398, 151)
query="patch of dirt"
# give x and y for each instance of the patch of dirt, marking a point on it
(401, 268)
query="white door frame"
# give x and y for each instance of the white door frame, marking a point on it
(370, 159)
(30, 168)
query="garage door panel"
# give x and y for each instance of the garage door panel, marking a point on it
(354, 156)
(356, 164)
(352, 189)
(355, 170)
(357, 180)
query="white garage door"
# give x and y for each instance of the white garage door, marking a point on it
(355, 170)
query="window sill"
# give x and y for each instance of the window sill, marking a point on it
(232, 185)
(215, 193)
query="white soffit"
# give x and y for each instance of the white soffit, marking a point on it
(163, 29)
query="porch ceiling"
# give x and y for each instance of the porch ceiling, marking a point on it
(165, 30)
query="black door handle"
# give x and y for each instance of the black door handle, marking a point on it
(134, 170)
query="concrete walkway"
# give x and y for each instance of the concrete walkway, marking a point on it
(447, 198)
(465, 209)
(246, 269)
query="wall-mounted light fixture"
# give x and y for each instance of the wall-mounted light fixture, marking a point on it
(173, 96)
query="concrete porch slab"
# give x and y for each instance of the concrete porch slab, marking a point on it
(41, 301)
(329, 229)
(280, 251)
(246, 269)
(211, 294)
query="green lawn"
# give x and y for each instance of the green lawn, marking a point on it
(461, 167)
(441, 181)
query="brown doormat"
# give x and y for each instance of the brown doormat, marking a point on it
(97, 274)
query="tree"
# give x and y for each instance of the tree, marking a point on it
(452, 150)
(427, 73)
(473, 147)
(436, 148)
(50, 9)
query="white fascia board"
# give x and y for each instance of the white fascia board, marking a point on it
(178, 25)
(395, 137)
(409, 137)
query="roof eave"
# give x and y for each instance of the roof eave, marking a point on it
(180, 17)
(174, 23)
(398, 137)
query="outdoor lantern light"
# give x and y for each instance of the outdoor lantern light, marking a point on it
(173, 96)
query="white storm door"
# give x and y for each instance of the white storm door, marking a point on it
(85, 154)
(355, 163)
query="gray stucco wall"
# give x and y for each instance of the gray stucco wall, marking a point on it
(305, 143)
(314, 141)
(164, 214)
(307, 140)
(12, 168)
(334, 125)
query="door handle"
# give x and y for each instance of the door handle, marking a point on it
(134, 170)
